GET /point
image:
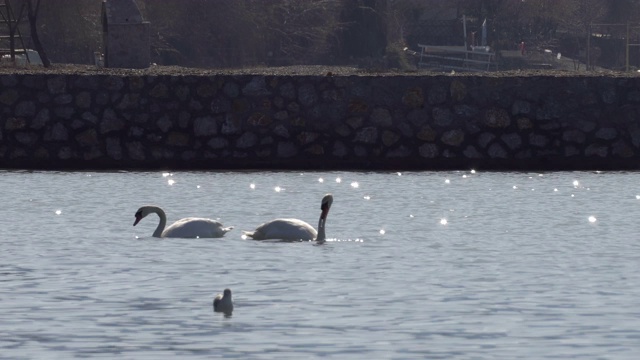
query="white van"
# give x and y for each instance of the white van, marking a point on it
(21, 59)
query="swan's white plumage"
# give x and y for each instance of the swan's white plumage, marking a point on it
(283, 229)
(195, 227)
(184, 228)
(293, 229)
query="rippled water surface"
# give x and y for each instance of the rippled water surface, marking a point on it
(451, 265)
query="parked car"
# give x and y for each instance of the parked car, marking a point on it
(21, 59)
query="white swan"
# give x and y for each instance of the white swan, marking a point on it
(223, 302)
(183, 228)
(293, 229)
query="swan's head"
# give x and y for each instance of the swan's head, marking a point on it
(141, 213)
(327, 200)
(226, 293)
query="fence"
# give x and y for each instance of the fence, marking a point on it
(457, 58)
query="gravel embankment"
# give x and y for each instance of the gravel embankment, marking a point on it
(298, 70)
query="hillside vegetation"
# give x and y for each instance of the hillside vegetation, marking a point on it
(371, 33)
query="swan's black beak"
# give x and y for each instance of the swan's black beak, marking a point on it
(138, 218)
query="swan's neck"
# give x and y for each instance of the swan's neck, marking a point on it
(321, 234)
(163, 220)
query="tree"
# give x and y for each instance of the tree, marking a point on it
(32, 15)
(365, 28)
(71, 29)
(577, 16)
(300, 29)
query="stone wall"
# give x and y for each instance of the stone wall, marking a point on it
(318, 122)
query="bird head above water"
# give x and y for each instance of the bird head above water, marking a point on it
(142, 213)
(325, 205)
(223, 302)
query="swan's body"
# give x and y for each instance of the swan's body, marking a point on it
(283, 229)
(184, 228)
(223, 302)
(293, 229)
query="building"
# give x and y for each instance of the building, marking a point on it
(125, 35)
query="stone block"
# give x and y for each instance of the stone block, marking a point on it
(512, 140)
(471, 152)
(367, 135)
(442, 117)
(429, 151)
(315, 149)
(458, 90)
(574, 136)
(389, 138)
(58, 132)
(286, 149)
(27, 138)
(340, 150)
(218, 143)
(9, 97)
(400, 152)
(135, 151)
(87, 138)
(596, 150)
(247, 140)
(307, 95)
(26, 108)
(496, 151)
(306, 137)
(381, 117)
(437, 95)
(179, 139)
(426, 133)
(114, 149)
(606, 133)
(111, 122)
(288, 91)
(497, 118)
(413, 98)
(256, 87)
(15, 123)
(205, 126)
(57, 84)
(453, 137)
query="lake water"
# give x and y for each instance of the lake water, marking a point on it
(438, 265)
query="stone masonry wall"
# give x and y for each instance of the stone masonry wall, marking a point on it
(318, 122)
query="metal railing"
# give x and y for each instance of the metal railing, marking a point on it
(457, 58)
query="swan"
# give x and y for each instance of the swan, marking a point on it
(223, 302)
(183, 228)
(293, 229)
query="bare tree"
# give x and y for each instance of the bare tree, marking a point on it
(577, 16)
(235, 33)
(249, 32)
(71, 29)
(32, 15)
(301, 29)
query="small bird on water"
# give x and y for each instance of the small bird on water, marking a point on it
(223, 302)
